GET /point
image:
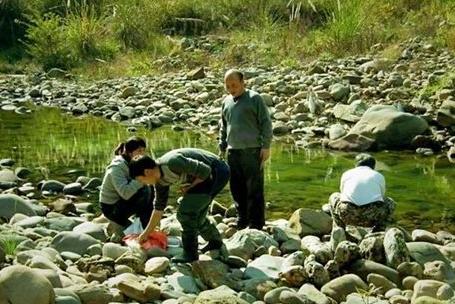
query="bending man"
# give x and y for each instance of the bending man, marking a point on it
(201, 176)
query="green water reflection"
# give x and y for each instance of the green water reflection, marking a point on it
(54, 144)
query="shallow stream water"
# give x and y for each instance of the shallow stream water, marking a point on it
(62, 147)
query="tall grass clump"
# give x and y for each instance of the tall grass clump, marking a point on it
(9, 244)
(46, 42)
(349, 27)
(89, 35)
(65, 42)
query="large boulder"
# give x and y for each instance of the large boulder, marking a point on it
(245, 242)
(395, 247)
(7, 176)
(92, 229)
(11, 204)
(52, 186)
(183, 283)
(266, 266)
(310, 222)
(363, 268)
(313, 245)
(92, 294)
(352, 142)
(388, 127)
(73, 242)
(213, 273)
(218, 295)
(372, 247)
(439, 271)
(20, 284)
(446, 113)
(350, 113)
(339, 288)
(431, 288)
(313, 294)
(423, 252)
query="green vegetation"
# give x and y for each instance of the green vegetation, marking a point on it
(130, 37)
(447, 81)
(9, 244)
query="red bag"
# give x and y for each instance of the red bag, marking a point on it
(156, 239)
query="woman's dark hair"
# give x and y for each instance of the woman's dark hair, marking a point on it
(138, 165)
(133, 143)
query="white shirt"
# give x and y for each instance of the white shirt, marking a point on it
(362, 185)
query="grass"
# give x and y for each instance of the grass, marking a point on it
(99, 38)
(9, 245)
(446, 81)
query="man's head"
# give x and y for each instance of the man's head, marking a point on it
(364, 159)
(145, 169)
(234, 82)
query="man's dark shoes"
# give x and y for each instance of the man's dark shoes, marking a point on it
(212, 245)
(185, 258)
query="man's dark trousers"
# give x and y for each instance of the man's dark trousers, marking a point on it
(247, 186)
(194, 206)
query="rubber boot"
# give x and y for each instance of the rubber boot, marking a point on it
(190, 253)
(212, 245)
(222, 253)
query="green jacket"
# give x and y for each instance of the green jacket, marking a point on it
(181, 166)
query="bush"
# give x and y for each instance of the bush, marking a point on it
(88, 35)
(46, 42)
(135, 23)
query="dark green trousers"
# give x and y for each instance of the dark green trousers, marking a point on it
(194, 206)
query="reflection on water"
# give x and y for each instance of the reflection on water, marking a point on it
(53, 144)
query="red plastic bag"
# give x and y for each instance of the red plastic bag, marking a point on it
(156, 239)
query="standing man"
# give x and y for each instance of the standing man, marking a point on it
(362, 200)
(201, 175)
(246, 134)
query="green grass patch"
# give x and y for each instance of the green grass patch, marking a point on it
(446, 81)
(9, 244)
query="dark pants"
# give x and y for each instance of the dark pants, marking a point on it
(194, 206)
(247, 186)
(140, 204)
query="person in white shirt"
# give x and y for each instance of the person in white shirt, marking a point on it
(362, 200)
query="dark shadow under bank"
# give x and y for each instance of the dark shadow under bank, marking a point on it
(52, 144)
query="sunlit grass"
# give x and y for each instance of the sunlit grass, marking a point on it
(9, 245)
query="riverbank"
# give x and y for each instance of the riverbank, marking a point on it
(333, 103)
(60, 252)
(110, 39)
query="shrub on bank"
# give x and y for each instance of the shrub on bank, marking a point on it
(257, 31)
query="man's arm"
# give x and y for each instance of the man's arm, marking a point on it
(265, 123)
(265, 128)
(159, 203)
(222, 145)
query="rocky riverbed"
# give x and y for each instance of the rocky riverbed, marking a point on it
(54, 249)
(359, 103)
